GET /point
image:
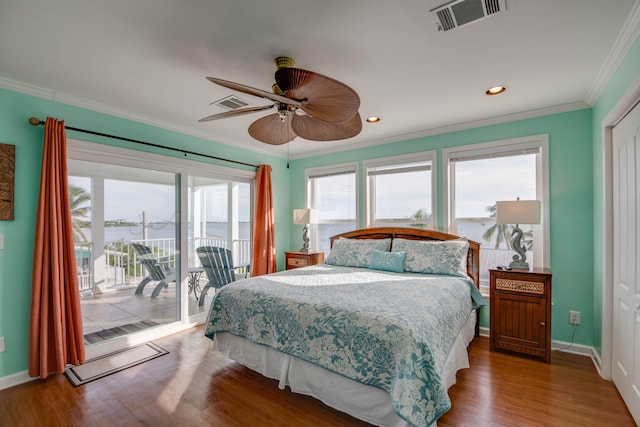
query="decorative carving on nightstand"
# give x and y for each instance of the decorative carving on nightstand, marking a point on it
(520, 286)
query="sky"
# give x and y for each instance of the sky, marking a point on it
(126, 200)
(479, 184)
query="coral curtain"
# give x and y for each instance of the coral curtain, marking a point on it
(264, 245)
(55, 333)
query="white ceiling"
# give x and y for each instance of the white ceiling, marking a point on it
(147, 60)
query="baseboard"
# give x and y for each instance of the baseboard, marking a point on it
(598, 363)
(15, 379)
(579, 349)
(567, 347)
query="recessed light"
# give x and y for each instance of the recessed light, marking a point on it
(373, 119)
(495, 90)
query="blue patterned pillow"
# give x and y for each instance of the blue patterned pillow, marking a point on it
(355, 252)
(447, 257)
(387, 261)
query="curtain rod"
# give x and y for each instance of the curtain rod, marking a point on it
(37, 122)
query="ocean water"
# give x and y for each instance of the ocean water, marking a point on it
(167, 230)
(218, 230)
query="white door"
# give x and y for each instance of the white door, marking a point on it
(626, 259)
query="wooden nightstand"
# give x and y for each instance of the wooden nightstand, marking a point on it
(521, 311)
(303, 259)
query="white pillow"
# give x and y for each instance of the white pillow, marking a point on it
(355, 252)
(434, 257)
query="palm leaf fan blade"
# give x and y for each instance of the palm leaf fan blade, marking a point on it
(313, 129)
(272, 130)
(321, 97)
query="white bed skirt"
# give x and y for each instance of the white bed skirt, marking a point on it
(364, 402)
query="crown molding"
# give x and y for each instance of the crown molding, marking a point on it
(623, 43)
(63, 98)
(564, 108)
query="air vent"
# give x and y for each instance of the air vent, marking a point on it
(462, 12)
(230, 103)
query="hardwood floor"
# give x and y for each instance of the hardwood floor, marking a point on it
(192, 386)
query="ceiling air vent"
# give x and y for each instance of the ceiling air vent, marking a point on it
(230, 103)
(461, 12)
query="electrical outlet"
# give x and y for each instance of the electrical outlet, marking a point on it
(1, 344)
(574, 317)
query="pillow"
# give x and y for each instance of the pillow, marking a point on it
(355, 252)
(387, 261)
(447, 257)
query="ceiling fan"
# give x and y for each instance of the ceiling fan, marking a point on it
(310, 105)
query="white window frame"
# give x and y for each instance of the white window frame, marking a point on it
(541, 243)
(399, 161)
(343, 168)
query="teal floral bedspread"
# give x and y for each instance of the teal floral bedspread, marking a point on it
(388, 330)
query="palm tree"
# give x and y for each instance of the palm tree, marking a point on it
(503, 233)
(80, 203)
(420, 214)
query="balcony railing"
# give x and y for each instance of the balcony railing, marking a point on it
(122, 267)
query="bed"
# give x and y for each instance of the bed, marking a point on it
(377, 331)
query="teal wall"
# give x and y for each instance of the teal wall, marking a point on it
(570, 200)
(16, 257)
(627, 73)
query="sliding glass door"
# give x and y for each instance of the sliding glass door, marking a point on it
(138, 220)
(125, 235)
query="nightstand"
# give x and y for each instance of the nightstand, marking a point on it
(521, 312)
(303, 259)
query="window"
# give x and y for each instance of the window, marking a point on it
(333, 192)
(400, 191)
(481, 174)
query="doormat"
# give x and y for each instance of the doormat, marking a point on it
(111, 363)
(118, 331)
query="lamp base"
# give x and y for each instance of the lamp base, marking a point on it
(305, 240)
(519, 265)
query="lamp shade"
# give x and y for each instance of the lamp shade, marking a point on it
(518, 212)
(305, 216)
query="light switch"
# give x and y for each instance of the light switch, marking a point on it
(1, 241)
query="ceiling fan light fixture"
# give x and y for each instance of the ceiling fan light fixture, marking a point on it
(495, 90)
(284, 111)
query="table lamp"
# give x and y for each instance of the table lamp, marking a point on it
(518, 212)
(305, 217)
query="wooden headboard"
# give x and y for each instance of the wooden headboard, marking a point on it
(473, 257)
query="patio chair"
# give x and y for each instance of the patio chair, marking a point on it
(218, 264)
(155, 271)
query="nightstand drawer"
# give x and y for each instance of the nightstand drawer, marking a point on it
(297, 262)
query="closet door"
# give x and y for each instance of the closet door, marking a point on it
(626, 256)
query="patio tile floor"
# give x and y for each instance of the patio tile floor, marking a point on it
(121, 307)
